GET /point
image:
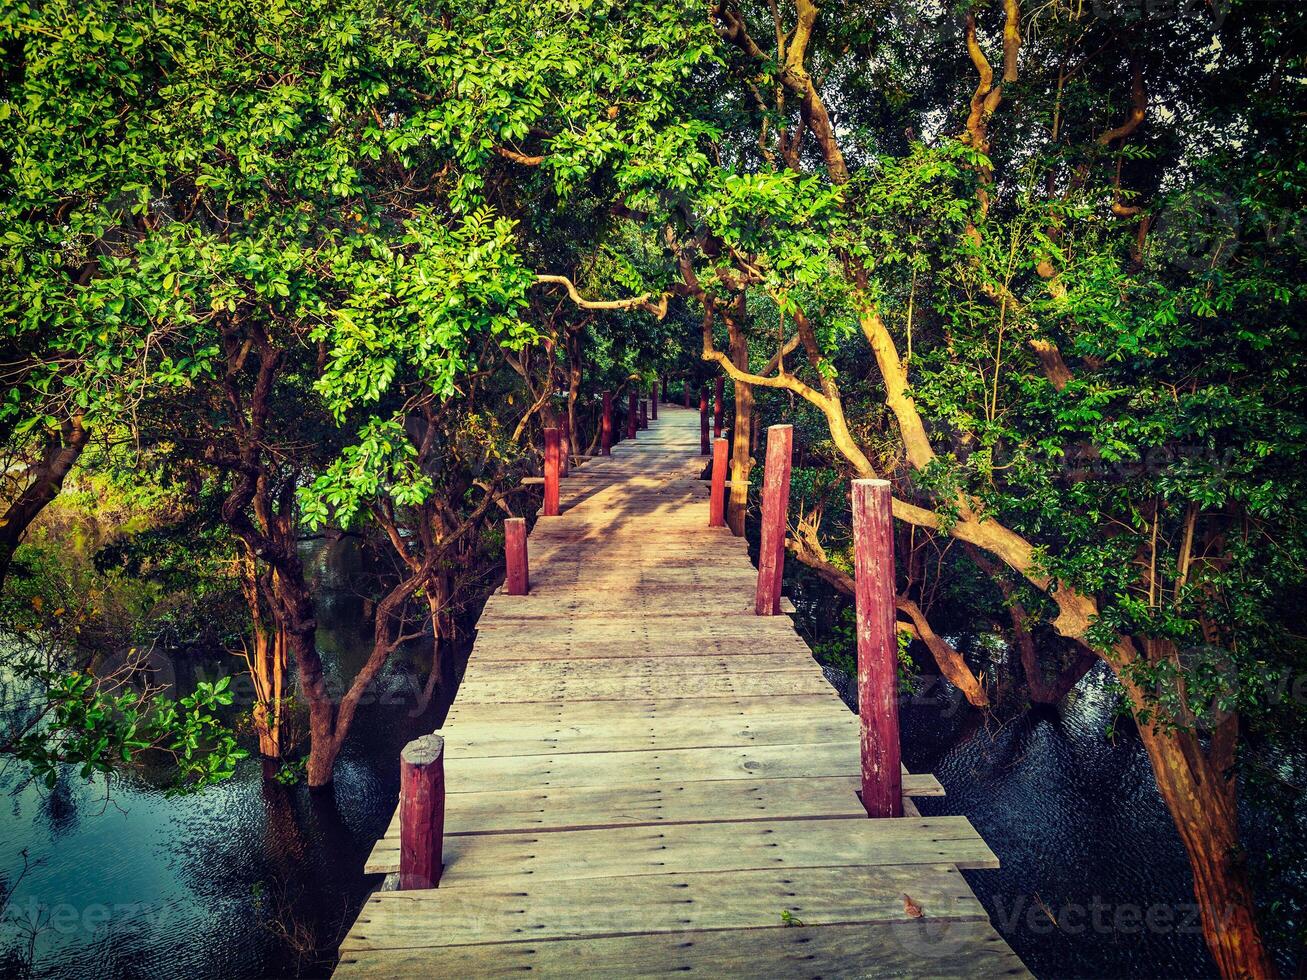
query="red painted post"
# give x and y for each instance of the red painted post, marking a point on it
(718, 411)
(564, 446)
(703, 421)
(517, 579)
(606, 427)
(421, 812)
(551, 473)
(775, 506)
(632, 414)
(878, 690)
(653, 401)
(644, 413)
(686, 390)
(717, 499)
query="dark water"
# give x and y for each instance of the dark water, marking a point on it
(252, 878)
(249, 878)
(1094, 881)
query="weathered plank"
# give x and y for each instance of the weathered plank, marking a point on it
(924, 948)
(583, 687)
(472, 860)
(574, 712)
(701, 801)
(661, 903)
(479, 775)
(472, 738)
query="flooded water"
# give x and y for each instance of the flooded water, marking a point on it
(1094, 881)
(249, 878)
(252, 878)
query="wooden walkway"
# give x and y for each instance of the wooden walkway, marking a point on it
(643, 778)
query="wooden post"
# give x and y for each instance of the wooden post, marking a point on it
(421, 812)
(653, 401)
(564, 446)
(551, 473)
(718, 409)
(775, 506)
(878, 646)
(717, 499)
(632, 413)
(644, 413)
(606, 426)
(686, 392)
(517, 580)
(703, 421)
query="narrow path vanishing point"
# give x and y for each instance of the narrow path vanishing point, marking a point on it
(644, 778)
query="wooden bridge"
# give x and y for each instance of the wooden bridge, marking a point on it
(642, 777)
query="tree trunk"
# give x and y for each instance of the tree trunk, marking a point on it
(742, 436)
(1202, 804)
(46, 479)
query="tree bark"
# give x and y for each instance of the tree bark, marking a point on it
(742, 434)
(45, 480)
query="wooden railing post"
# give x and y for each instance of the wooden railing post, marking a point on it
(606, 426)
(686, 391)
(564, 446)
(551, 473)
(775, 506)
(632, 413)
(717, 498)
(421, 812)
(644, 413)
(517, 578)
(719, 408)
(878, 691)
(703, 421)
(653, 401)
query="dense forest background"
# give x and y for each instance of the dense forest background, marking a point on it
(272, 274)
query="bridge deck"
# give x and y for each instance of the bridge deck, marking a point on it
(644, 778)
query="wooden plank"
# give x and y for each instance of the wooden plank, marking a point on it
(635, 688)
(471, 738)
(472, 861)
(610, 667)
(479, 775)
(659, 903)
(704, 801)
(924, 948)
(571, 713)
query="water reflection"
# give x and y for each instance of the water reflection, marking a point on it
(248, 878)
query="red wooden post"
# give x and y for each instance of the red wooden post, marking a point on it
(718, 408)
(551, 473)
(686, 391)
(517, 580)
(653, 401)
(564, 446)
(632, 414)
(878, 646)
(606, 427)
(644, 413)
(775, 506)
(421, 812)
(703, 421)
(717, 499)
